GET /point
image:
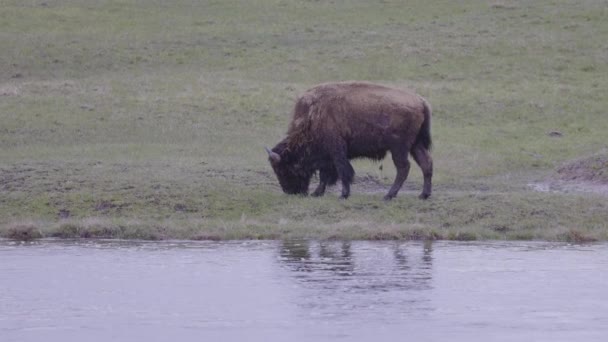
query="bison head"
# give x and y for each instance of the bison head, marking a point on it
(293, 175)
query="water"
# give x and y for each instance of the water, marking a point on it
(302, 291)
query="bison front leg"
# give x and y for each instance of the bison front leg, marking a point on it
(320, 190)
(327, 176)
(338, 153)
(346, 173)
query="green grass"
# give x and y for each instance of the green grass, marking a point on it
(147, 119)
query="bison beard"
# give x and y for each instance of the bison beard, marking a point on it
(335, 122)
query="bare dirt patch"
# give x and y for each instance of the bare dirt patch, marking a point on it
(370, 185)
(590, 169)
(363, 184)
(588, 175)
(9, 90)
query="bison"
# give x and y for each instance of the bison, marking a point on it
(335, 122)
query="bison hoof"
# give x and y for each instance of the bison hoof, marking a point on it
(388, 197)
(317, 194)
(424, 196)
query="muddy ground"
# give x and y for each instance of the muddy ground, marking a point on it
(584, 175)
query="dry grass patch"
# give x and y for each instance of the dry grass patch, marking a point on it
(22, 232)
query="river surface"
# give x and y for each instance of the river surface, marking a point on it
(302, 291)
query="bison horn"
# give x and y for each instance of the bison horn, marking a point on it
(273, 156)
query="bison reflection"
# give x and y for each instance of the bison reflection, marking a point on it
(335, 122)
(386, 267)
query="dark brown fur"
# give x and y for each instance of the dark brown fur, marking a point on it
(335, 122)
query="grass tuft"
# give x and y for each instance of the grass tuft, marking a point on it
(21, 232)
(576, 236)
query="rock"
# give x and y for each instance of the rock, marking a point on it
(555, 134)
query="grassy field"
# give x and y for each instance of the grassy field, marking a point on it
(147, 119)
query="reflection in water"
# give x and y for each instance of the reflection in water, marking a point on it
(396, 266)
(335, 277)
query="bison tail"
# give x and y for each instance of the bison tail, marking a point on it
(424, 135)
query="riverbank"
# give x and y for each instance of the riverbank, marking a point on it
(451, 215)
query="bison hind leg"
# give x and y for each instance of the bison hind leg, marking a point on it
(402, 165)
(423, 159)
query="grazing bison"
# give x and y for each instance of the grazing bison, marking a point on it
(335, 122)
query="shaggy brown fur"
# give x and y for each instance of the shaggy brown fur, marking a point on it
(335, 122)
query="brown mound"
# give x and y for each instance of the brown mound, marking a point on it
(589, 169)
